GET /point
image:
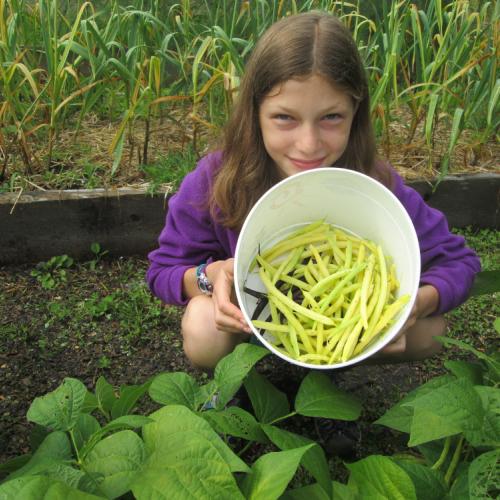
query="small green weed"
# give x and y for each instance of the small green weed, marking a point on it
(53, 272)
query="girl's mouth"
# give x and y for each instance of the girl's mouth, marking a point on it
(307, 164)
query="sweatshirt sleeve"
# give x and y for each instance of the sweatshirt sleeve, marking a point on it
(188, 237)
(447, 263)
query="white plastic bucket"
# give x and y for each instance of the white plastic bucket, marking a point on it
(344, 198)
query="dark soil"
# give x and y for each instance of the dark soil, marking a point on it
(100, 319)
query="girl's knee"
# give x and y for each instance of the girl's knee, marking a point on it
(421, 342)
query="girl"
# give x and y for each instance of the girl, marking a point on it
(303, 103)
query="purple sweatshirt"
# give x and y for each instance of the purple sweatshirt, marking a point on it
(190, 237)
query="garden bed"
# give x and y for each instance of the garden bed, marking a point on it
(98, 318)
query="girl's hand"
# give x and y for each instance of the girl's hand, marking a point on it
(228, 316)
(426, 303)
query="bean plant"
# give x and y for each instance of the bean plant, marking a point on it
(93, 445)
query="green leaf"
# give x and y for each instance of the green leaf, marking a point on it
(233, 368)
(59, 409)
(268, 402)
(176, 433)
(318, 397)
(463, 411)
(85, 427)
(379, 477)
(484, 477)
(489, 432)
(199, 476)
(54, 449)
(486, 282)
(471, 371)
(428, 483)
(118, 458)
(314, 460)
(235, 422)
(177, 388)
(105, 394)
(271, 473)
(400, 416)
(90, 403)
(129, 395)
(41, 487)
(493, 362)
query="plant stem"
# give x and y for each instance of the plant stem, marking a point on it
(454, 461)
(283, 418)
(73, 442)
(444, 453)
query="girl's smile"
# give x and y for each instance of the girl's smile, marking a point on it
(305, 124)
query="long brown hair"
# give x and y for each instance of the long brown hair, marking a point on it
(297, 46)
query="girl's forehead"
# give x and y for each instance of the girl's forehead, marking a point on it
(314, 83)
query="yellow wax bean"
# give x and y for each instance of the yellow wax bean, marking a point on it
(291, 257)
(338, 255)
(295, 282)
(295, 326)
(325, 302)
(335, 334)
(265, 265)
(309, 278)
(288, 245)
(313, 357)
(309, 300)
(351, 342)
(267, 325)
(319, 338)
(326, 282)
(322, 270)
(348, 255)
(335, 306)
(365, 288)
(339, 348)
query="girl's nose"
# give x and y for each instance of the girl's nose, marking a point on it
(308, 140)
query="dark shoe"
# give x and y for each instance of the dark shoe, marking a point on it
(339, 438)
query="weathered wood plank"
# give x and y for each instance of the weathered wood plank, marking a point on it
(38, 225)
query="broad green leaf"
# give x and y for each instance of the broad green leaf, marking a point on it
(486, 282)
(400, 416)
(129, 395)
(428, 483)
(471, 371)
(205, 393)
(233, 368)
(41, 488)
(14, 464)
(489, 433)
(105, 394)
(235, 422)
(55, 448)
(460, 488)
(379, 477)
(177, 388)
(493, 362)
(314, 460)
(90, 403)
(318, 397)
(85, 427)
(195, 477)
(268, 402)
(177, 431)
(448, 410)
(118, 458)
(271, 474)
(484, 475)
(120, 423)
(59, 409)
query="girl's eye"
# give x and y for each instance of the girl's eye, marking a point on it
(332, 117)
(282, 117)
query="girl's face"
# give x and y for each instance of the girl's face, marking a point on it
(305, 124)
